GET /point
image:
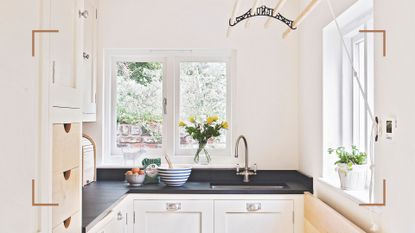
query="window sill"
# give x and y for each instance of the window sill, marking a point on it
(197, 166)
(117, 161)
(355, 196)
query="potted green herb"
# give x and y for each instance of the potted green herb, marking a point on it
(352, 168)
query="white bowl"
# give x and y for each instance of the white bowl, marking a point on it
(174, 176)
(135, 179)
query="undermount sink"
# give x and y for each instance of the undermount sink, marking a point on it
(247, 187)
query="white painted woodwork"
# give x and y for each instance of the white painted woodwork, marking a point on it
(199, 213)
(117, 220)
(73, 227)
(20, 135)
(106, 225)
(65, 53)
(321, 218)
(184, 216)
(270, 216)
(120, 225)
(66, 147)
(67, 193)
(89, 63)
(65, 115)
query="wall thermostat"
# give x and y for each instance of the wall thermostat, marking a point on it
(390, 127)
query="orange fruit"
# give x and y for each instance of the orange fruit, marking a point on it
(135, 170)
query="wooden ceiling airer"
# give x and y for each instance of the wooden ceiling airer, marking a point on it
(272, 13)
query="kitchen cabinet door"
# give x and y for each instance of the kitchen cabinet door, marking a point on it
(65, 53)
(247, 216)
(89, 61)
(107, 225)
(115, 221)
(120, 225)
(173, 216)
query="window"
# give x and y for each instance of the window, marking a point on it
(202, 92)
(346, 119)
(361, 122)
(150, 91)
(139, 115)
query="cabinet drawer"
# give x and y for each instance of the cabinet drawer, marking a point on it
(184, 216)
(67, 193)
(265, 216)
(174, 205)
(69, 225)
(256, 205)
(66, 146)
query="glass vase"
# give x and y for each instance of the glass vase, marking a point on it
(202, 156)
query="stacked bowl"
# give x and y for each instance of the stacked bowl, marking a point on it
(174, 176)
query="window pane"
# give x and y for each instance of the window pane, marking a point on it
(139, 105)
(202, 94)
(360, 133)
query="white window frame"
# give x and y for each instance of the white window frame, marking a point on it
(162, 60)
(351, 114)
(219, 59)
(170, 58)
(347, 126)
(362, 144)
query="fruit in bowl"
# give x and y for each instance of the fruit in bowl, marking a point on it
(135, 176)
(176, 176)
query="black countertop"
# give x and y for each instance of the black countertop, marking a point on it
(97, 198)
(101, 196)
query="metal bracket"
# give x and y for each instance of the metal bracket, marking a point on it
(378, 204)
(33, 37)
(39, 204)
(165, 105)
(378, 31)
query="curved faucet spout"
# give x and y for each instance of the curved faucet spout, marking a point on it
(237, 145)
(246, 173)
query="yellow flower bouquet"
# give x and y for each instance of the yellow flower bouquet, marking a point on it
(203, 131)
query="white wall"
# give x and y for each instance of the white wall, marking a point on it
(394, 96)
(19, 114)
(266, 105)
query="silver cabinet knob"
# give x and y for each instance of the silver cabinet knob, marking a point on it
(173, 206)
(83, 14)
(119, 216)
(85, 55)
(251, 207)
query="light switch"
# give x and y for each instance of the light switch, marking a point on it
(390, 128)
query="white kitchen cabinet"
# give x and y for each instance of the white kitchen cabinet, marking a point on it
(106, 225)
(117, 220)
(246, 216)
(122, 218)
(66, 53)
(89, 61)
(173, 216)
(203, 213)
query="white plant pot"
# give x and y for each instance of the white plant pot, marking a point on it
(354, 179)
